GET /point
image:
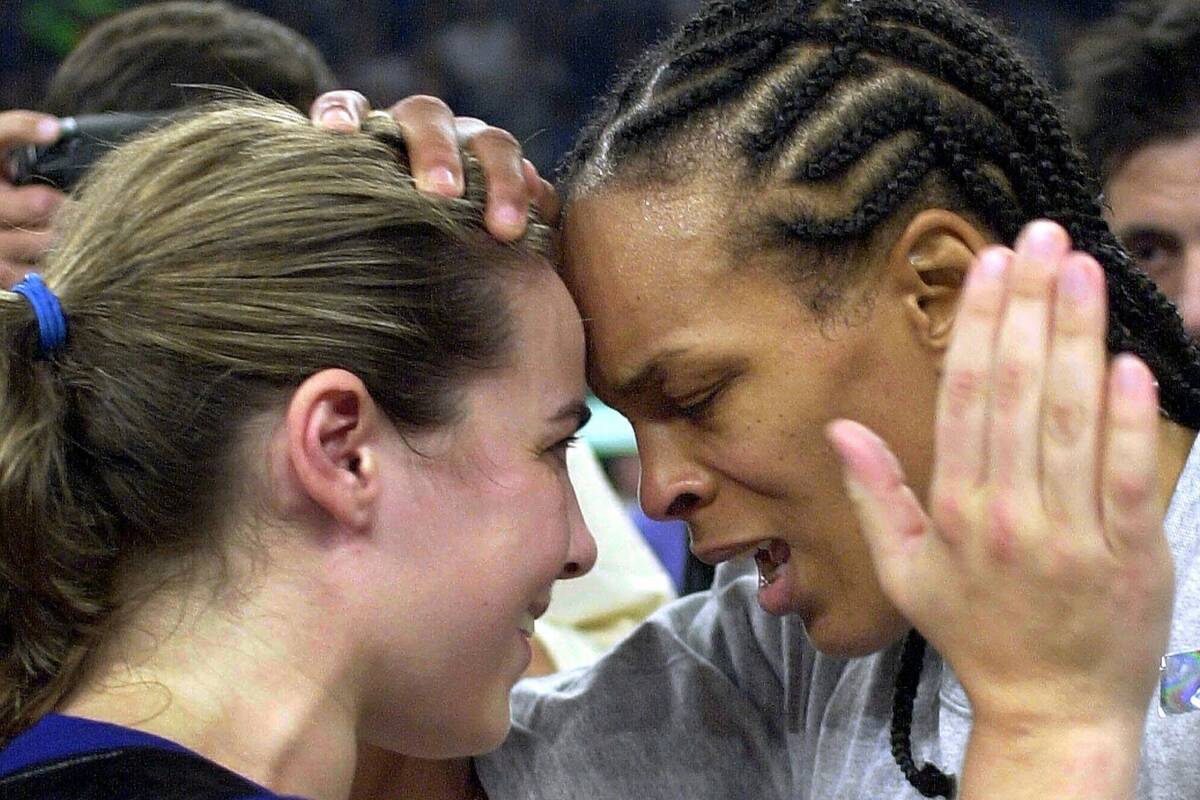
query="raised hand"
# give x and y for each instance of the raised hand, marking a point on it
(1040, 571)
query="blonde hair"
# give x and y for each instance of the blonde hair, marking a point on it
(207, 268)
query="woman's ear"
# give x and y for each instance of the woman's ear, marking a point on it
(334, 432)
(931, 260)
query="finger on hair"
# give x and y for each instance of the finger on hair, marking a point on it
(508, 194)
(28, 206)
(1019, 366)
(343, 111)
(27, 127)
(427, 125)
(1132, 509)
(960, 433)
(544, 195)
(1074, 398)
(889, 513)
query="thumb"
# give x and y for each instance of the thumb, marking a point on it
(891, 518)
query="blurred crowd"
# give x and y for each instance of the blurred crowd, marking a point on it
(531, 66)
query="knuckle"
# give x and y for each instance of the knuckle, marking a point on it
(1014, 377)
(1002, 526)
(1130, 489)
(948, 510)
(1066, 420)
(964, 389)
(469, 126)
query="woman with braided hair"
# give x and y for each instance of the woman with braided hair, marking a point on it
(768, 226)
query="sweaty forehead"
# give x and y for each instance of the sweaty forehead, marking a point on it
(616, 241)
(641, 264)
(654, 275)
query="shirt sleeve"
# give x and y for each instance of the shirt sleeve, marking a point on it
(690, 704)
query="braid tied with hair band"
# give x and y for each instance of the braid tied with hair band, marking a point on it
(885, 104)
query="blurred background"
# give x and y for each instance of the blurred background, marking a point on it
(531, 66)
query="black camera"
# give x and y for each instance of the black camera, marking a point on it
(83, 140)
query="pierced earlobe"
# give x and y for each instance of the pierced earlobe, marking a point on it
(932, 258)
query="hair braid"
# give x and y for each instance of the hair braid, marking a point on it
(878, 124)
(793, 101)
(711, 54)
(876, 207)
(928, 779)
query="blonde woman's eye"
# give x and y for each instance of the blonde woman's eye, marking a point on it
(560, 447)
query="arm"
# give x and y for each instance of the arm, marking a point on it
(1045, 528)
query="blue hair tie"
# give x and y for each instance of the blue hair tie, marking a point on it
(52, 323)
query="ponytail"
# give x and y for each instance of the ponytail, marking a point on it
(52, 559)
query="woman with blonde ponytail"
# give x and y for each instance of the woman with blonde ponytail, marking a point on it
(281, 468)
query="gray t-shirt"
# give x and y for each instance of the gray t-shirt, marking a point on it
(714, 698)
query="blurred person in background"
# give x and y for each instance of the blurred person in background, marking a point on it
(1134, 105)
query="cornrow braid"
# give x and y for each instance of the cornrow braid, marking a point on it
(887, 103)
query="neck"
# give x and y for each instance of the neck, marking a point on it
(1175, 446)
(259, 682)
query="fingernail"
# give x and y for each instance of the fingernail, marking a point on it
(1132, 378)
(990, 268)
(1043, 240)
(48, 129)
(509, 216)
(1075, 281)
(441, 179)
(337, 116)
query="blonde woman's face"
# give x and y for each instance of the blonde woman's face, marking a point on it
(486, 525)
(729, 381)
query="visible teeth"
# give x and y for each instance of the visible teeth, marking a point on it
(527, 623)
(771, 556)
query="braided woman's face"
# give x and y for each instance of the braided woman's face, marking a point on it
(729, 380)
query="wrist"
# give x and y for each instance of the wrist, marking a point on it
(1069, 758)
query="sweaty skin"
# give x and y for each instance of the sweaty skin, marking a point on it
(730, 424)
